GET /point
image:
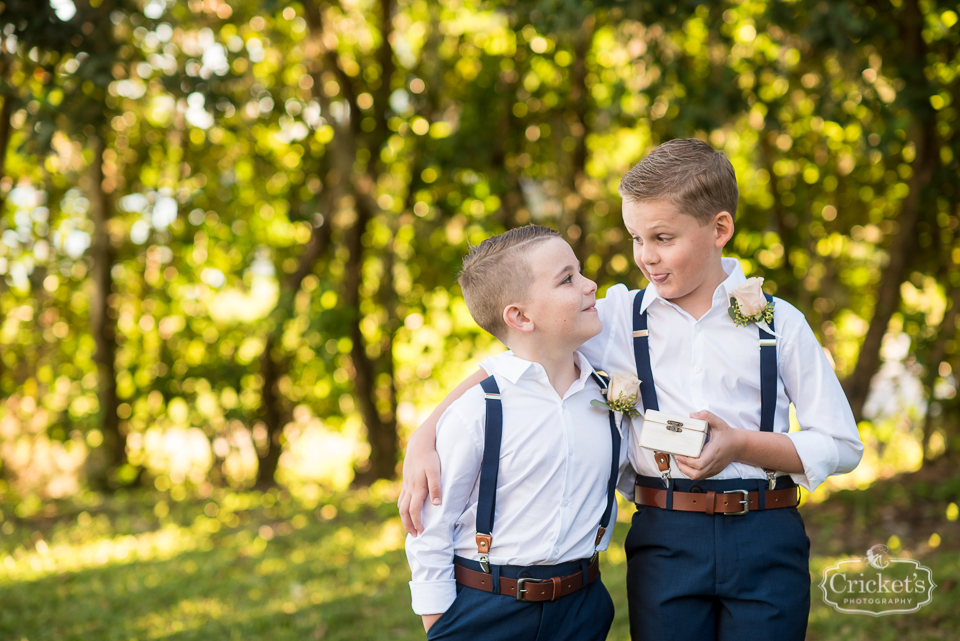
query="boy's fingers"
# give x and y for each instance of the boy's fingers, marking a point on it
(435, 494)
(404, 505)
(416, 507)
(689, 471)
(434, 484)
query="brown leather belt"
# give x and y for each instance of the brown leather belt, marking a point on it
(529, 589)
(733, 502)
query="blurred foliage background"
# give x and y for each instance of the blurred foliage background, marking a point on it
(230, 230)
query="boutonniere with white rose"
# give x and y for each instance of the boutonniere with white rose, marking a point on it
(748, 304)
(622, 395)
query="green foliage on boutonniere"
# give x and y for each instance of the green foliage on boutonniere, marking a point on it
(625, 404)
(766, 316)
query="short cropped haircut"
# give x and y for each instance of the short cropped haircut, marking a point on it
(696, 178)
(496, 273)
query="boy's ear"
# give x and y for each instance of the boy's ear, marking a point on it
(516, 320)
(722, 229)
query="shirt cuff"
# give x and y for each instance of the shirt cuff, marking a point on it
(433, 597)
(819, 455)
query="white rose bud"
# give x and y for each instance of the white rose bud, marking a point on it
(750, 297)
(625, 384)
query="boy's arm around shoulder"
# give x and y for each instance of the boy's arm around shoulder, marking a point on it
(421, 466)
(430, 555)
(828, 441)
(615, 310)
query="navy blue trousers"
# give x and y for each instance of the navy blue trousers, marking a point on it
(585, 615)
(693, 576)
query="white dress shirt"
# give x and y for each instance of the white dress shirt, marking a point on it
(712, 364)
(551, 487)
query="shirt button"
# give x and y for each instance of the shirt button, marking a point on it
(697, 369)
(556, 551)
(566, 503)
(696, 328)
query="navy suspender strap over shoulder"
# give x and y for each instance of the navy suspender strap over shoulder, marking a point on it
(604, 383)
(768, 384)
(648, 391)
(490, 467)
(768, 375)
(641, 351)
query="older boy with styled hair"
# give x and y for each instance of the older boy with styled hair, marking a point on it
(717, 549)
(529, 464)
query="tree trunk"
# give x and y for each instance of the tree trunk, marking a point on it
(576, 228)
(506, 182)
(381, 428)
(924, 136)
(102, 326)
(857, 385)
(785, 289)
(5, 131)
(272, 411)
(946, 332)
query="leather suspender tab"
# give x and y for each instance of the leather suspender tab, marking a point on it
(600, 534)
(663, 461)
(484, 543)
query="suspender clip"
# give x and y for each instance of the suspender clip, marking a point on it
(663, 463)
(485, 564)
(771, 479)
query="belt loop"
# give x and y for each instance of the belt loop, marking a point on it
(585, 568)
(670, 494)
(495, 573)
(761, 491)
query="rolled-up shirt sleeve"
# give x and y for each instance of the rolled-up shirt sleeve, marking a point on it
(828, 441)
(430, 555)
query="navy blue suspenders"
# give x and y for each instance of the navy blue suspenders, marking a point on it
(648, 391)
(490, 466)
(768, 375)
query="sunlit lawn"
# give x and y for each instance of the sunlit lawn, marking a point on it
(272, 566)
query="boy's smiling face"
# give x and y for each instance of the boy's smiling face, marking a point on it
(561, 302)
(676, 253)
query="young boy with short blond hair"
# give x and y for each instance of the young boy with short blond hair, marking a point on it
(717, 549)
(499, 559)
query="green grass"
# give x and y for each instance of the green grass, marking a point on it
(273, 566)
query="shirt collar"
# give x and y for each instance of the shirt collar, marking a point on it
(513, 368)
(735, 276)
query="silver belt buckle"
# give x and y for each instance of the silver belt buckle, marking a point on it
(745, 502)
(522, 582)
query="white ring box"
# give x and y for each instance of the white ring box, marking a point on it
(673, 434)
